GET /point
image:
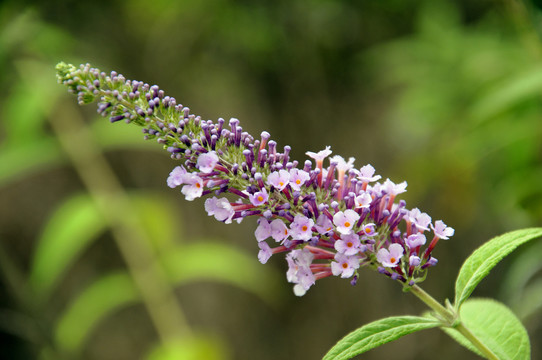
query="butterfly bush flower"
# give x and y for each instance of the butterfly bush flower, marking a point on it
(220, 208)
(348, 244)
(299, 270)
(392, 256)
(414, 260)
(415, 240)
(279, 179)
(441, 230)
(344, 265)
(176, 177)
(324, 225)
(263, 231)
(363, 200)
(301, 228)
(345, 221)
(421, 220)
(265, 252)
(367, 174)
(193, 188)
(207, 162)
(326, 219)
(279, 230)
(298, 178)
(259, 198)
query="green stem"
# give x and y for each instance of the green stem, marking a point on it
(475, 341)
(451, 319)
(106, 191)
(447, 315)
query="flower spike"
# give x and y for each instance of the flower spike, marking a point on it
(329, 221)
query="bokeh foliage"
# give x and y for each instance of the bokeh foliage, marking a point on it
(445, 95)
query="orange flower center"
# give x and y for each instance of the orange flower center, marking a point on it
(304, 228)
(392, 259)
(347, 224)
(345, 265)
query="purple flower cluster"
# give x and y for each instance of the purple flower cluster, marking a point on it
(327, 220)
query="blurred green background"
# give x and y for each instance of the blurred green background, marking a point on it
(443, 94)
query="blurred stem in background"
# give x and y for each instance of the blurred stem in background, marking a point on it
(525, 22)
(105, 190)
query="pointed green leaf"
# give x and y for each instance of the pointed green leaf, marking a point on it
(377, 333)
(483, 259)
(496, 327)
(94, 304)
(217, 261)
(68, 232)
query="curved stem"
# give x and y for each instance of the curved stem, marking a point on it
(451, 319)
(475, 341)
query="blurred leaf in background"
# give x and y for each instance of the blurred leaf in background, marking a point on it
(472, 95)
(30, 149)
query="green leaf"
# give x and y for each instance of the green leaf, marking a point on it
(69, 231)
(192, 348)
(26, 157)
(158, 218)
(94, 304)
(508, 93)
(483, 259)
(523, 269)
(529, 302)
(220, 262)
(29, 101)
(377, 333)
(496, 327)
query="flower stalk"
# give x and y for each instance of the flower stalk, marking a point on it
(450, 318)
